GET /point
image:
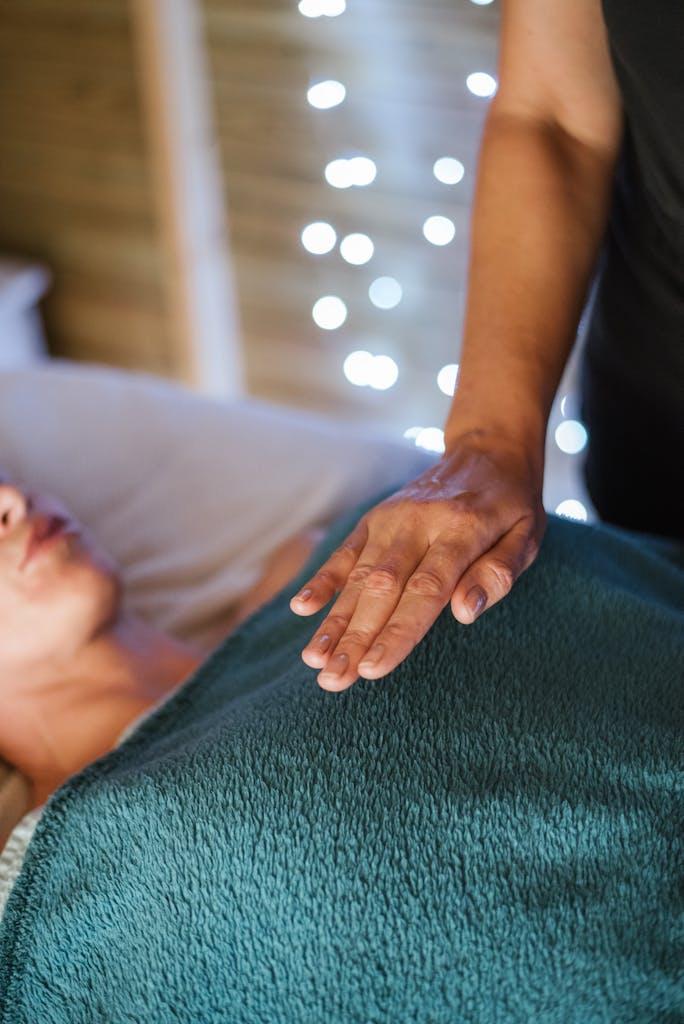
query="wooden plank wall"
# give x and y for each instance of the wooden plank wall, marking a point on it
(76, 190)
(77, 186)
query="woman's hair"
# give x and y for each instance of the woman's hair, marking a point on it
(15, 799)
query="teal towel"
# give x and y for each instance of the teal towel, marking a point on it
(492, 833)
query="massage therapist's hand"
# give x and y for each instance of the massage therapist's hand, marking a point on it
(462, 532)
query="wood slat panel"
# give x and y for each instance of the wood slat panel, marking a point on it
(49, 42)
(76, 188)
(34, 122)
(101, 14)
(109, 247)
(105, 324)
(83, 176)
(80, 95)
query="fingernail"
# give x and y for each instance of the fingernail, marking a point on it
(304, 595)
(475, 601)
(336, 667)
(321, 643)
(373, 656)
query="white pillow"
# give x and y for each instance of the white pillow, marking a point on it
(190, 495)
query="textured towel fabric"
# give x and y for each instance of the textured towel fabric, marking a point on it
(492, 833)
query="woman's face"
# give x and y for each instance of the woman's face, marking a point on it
(57, 589)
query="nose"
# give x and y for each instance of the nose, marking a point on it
(14, 506)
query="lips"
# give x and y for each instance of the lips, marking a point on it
(44, 528)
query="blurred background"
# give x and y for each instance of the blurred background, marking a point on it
(256, 197)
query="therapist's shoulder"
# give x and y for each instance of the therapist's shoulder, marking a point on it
(555, 66)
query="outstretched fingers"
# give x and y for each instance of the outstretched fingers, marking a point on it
(391, 593)
(370, 595)
(332, 575)
(380, 636)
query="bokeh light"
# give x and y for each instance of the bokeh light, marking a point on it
(439, 230)
(571, 508)
(357, 367)
(447, 377)
(480, 83)
(338, 174)
(322, 8)
(385, 293)
(357, 170)
(366, 370)
(356, 249)
(448, 170)
(319, 237)
(384, 373)
(571, 436)
(431, 439)
(329, 312)
(327, 94)
(363, 170)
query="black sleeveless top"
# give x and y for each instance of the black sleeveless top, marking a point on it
(633, 374)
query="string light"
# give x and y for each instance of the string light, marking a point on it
(571, 508)
(481, 84)
(343, 173)
(385, 293)
(329, 312)
(384, 373)
(357, 366)
(571, 436)
(431, 438)
(439, 230)
(363, 170)
(327, 94)
(448, 170)
(319, 238)
(356, 249)
(338, 174)
(366, 370)
(322, 8)
(447, 377)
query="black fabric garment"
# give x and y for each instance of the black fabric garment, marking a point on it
(633, 370)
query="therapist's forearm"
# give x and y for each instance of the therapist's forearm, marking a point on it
(539, 216)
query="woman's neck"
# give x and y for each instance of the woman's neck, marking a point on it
(62, 719)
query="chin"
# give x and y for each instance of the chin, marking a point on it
(86, 604)
(101, 601)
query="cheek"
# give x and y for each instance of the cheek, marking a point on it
(57, 615)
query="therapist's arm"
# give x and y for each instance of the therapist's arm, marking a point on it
(464, 531)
